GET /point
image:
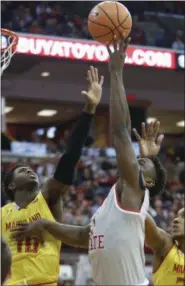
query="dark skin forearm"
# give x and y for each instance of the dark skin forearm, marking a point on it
(76, 236)
(119, 110)
(121, 128)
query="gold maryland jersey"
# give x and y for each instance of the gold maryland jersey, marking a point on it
(171, 270)
(32, 263)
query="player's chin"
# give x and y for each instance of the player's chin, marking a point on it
(33, 179)
(176, 235)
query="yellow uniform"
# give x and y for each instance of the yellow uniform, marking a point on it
(171, 270)
(33, 264)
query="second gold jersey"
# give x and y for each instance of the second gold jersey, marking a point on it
(171, 270)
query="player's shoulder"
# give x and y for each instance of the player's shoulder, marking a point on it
(166, 236)
(7, 207)
(168, 242)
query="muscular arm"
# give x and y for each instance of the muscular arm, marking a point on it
(118, 103)
(76, 236)
(120, 129)
(157, 239)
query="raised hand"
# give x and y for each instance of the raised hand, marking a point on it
(94, 93)
(149, 141)
(118, 55)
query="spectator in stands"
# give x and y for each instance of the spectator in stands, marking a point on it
(138, 36)
(35, 28)
(178, 44)
(181, 178)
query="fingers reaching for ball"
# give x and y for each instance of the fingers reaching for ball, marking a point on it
(124, 44)
(119, 46)
(117, 54)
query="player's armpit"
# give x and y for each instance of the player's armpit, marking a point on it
(76, 236)
(155, 238)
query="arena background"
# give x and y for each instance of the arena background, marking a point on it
(48, 72)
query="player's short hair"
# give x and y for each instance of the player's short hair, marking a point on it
(161, 178)
(8, 180)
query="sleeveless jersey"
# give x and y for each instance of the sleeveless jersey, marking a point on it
(171, 270)
(32, 263)
(116, 244)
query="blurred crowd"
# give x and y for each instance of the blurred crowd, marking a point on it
(95, 176)
(69, 19)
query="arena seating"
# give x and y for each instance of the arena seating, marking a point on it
(153, 24)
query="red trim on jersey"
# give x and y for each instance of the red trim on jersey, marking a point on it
(117, 200)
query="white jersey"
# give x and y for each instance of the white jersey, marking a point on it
(116, 244)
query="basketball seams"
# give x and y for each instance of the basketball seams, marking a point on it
(101, 25)
(110, 19)
(111, 31)
(108, 42)
(99, 36)
(120, 24)
(117, 12)
(124, 22)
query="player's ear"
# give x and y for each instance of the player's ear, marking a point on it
(11, 186)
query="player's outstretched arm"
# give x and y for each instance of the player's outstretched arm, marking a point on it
(157, 239)
(120, 120)
(76, 236)
(63, 176)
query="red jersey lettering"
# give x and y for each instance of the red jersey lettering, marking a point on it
(96, 242)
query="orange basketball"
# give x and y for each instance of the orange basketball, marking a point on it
(107, 19)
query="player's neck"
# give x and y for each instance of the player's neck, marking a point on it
(24, 198)
(181, 244)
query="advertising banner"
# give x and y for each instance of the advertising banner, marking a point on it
(85, 50)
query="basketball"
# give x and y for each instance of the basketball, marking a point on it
(107, 19)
